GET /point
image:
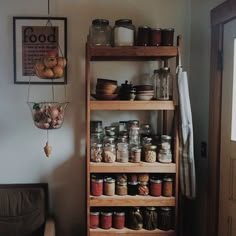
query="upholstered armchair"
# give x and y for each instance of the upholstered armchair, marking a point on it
(24, 210)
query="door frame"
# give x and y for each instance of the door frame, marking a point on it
(220, 15)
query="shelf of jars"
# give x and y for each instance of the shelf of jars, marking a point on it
(129, 167)
(130, 232)
(131, 105)
(128, 200)
(108, 53)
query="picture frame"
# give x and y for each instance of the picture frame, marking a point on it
(33, 38)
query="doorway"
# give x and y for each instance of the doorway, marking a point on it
(222, 164)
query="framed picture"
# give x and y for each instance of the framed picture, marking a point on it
(33, 38)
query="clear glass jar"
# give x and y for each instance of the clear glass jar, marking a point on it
(94, 219)
(96, 152)
(100, 33)
(122, 152)
(124, 33)
(165, 142)
(165, 156)
(96, 187)
(135, 154)
(109, 152)
(109, 187)
(165, 84)
(121, 188)
(106, 220)
(118, 220)
(135, 219)
(96, 126)
(96, 138)
(150, 218)
(156, 77)
(167, 37)
(134, 136)
(168, 187)
(165, 218)
(150, 153)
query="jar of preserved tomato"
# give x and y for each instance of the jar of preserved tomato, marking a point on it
(109, 186)
(119, 220)
(94, 219)
(167, 188)
(121, 188)
(106, 220)
(155, 187)
(96, 187)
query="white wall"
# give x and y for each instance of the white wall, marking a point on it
(21, 144)
(199, 93)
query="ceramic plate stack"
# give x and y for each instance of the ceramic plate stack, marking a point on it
(106, 89)
(144, 92)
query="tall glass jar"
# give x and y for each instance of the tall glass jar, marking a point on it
(100, 33)
(122, 152)
(96, 152)
(124, 33)
(165, 84)
(156, 82)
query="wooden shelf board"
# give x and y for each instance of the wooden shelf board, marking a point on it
(142, 167)
(131, 105)
(107, 53)
(131, 201)
(130, 232)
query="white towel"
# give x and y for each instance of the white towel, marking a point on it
(186, 150)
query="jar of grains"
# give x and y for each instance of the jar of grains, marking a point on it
(143, 188)
(155, 187)
(109, 186)
(167, 188)
(119, 220)
(150, 153)
(121, 188)
(96, 187)
(94, 219)
(96, 152)
(106, 220)
(124, 33)
(109, 152)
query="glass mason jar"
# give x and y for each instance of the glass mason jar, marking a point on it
(124, 33)
(167, 37)
(134, 136)
(165, 84)
(109, 186)
(150, 218)
(155, 187)
(143, 37)
(143, 188)
(167, 187)
(165, 156)
(150, 153)
(106, 220)
(165, 218)
(121, 188)
(109, 152)
(135, 219)
(122, 152)
(96, 152)
(96, 186)
(119, 220)
(96, 138)
(94, 219)
(100, 33)
(133, 188)
(155, 37)
(165, 142)
(135, 154)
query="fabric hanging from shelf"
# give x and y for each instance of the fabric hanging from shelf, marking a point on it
(186, 149)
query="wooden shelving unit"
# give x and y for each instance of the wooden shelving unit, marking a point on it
(129, 54)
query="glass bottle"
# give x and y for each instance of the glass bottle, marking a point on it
(100, 33)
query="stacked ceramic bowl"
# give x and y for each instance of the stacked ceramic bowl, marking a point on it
(106, 89)
(144, 92)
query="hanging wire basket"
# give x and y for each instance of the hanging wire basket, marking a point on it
(48, 115)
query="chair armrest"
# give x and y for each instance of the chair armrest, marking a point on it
(50, 229)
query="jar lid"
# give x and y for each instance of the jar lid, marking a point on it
(144, 27)
(147, 126)
(133, 122)
(156, 29)
(123, 22)
(165, 151)
(155, 181)
(168, 179)
(94, 213)
(106, 213)
(133, 183)
(97, 145)
(100, 22)
(167, 137)
(110, 128)
(168, 29)
(152, 147)
(151, 208)
(109, 180)
(97, 180)
(119, 213)
(165, 208)
(156, 71)
(143, 183)
(136, 149)
(109, 145)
